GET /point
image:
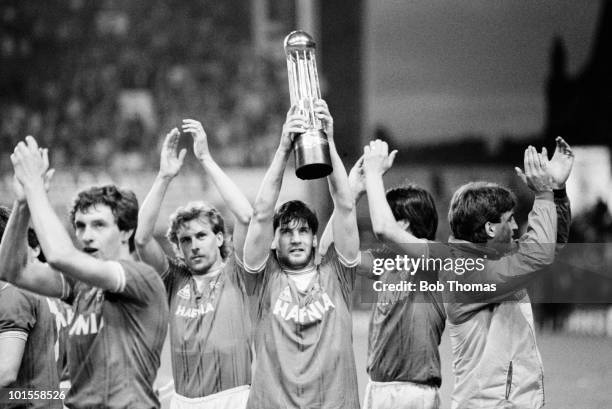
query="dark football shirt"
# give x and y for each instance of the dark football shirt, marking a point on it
(115, 341)
(303, 339)
(210, 330)
(405, 328)
(28, 313)
(63, 314)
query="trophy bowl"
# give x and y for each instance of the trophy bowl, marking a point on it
(311, 151)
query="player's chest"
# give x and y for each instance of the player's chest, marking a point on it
(389, 300)
(88, 318)
(318, 302)
(191, 300)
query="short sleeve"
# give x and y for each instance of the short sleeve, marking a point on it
(17, 312)
(254, 280)
(345, 270)
(68, 289)
(172, 265)
(366, 265)
(169, 277)
(139, 282)
(237, 273)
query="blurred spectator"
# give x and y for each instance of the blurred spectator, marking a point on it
(97, 80)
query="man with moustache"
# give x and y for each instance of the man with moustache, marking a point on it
(210, 331)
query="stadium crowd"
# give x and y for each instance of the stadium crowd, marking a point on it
(113, 74)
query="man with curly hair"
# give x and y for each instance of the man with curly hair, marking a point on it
(120, 322)
(209, 317)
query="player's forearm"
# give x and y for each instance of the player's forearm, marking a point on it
(564, 216)
(235, 200)
(263, 208)
(52, 236)
(380, 213)
(259, 235)
(327, 237)
(339, 188)
(384, 225)
(344, 220)
(80, 266)
(14, 248)
(149, 211)
(536, 248)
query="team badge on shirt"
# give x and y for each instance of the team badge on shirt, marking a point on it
(202, 304)
(185, 292)
(285, 295)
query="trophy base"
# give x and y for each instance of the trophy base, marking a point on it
(311, 150)
(313, 171)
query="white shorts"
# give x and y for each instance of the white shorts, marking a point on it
(66, 386)
(235, 398)
(400, 395)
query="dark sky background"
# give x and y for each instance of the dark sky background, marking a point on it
(437, 69)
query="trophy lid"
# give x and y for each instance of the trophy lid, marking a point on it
(298, 41)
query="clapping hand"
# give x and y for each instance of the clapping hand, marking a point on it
(170, 162)
(31, 165)
(200, 139)
(560, 166)
(376, 157)
(536, 175)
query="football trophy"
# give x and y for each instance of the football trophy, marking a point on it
(311, 148)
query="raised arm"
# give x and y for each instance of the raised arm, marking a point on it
(54, 239)
(356, 180)
(357, 186)
(235, 200)
(170, 164)
(384, 225)
(559, 169)
(17, 268)
(344, 221)
(260, 233)
(536, 248)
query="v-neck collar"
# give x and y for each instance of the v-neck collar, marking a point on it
(207, 290)
(313, 280)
